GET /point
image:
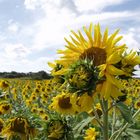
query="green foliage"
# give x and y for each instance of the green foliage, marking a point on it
(30, 75)
(125, 111)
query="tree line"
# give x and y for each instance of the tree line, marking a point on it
(30, 75)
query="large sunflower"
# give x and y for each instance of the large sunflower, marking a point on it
(105, 53)
(100, 49)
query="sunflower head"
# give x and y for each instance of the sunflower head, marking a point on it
(82, 77)
(91, 134)
(64, 103)
(18, 128)
(19, 125)
(4, 84)
(137, 104)
(5, 107)
(56, 130)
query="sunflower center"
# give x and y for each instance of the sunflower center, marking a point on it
(138, 104)
(6, 107)
(97, 55)
(64, 102)
(18, 125)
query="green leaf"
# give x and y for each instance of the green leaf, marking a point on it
(134, 133)
(83, 123)
(125, 111)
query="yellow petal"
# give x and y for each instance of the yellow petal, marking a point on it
(105, 36)
(110, 39)
(102, 70)
(106, 90)
(75, 41)
(52, 65)
(114, 58)
(89, 35)
(60, 72)
(116, 92)
(114, 71)
(114, 81)
(117, 40)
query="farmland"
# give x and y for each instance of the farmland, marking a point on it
(28, 110)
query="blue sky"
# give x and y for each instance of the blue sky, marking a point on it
(32, 30)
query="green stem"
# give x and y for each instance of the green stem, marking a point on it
(122, 128)
(114, 119)
(105, 120)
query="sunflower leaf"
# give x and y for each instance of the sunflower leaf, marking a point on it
(125, 112)
(134, 133)
(83, 123)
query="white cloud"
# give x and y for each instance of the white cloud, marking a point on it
(129, 38)
(96, 5)
(13, 27)
(16, 51)
(59, 18)
(49, 31)
(30, 4)
(25, 65)
(52, 30)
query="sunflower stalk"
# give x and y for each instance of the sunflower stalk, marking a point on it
(105, 119)
(114, 119)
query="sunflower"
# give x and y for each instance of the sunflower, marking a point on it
(99, 50)
(56, 130)
(91, 134)
(137, 104)
(105, 53)
(82, 77)
(130, 60)
(4, 84)
(5, 107)
(64, 103)
(44, 116)
(17, 127)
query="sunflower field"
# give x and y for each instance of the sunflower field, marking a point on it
(92, 94)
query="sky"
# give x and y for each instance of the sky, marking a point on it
(31, 31)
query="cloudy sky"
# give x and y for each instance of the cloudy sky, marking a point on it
(32, 30)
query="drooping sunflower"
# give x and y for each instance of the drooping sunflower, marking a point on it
(106, 54)
(64, 103)
(18, 127)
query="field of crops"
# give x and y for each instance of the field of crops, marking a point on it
(31, 109)
(91, 95)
